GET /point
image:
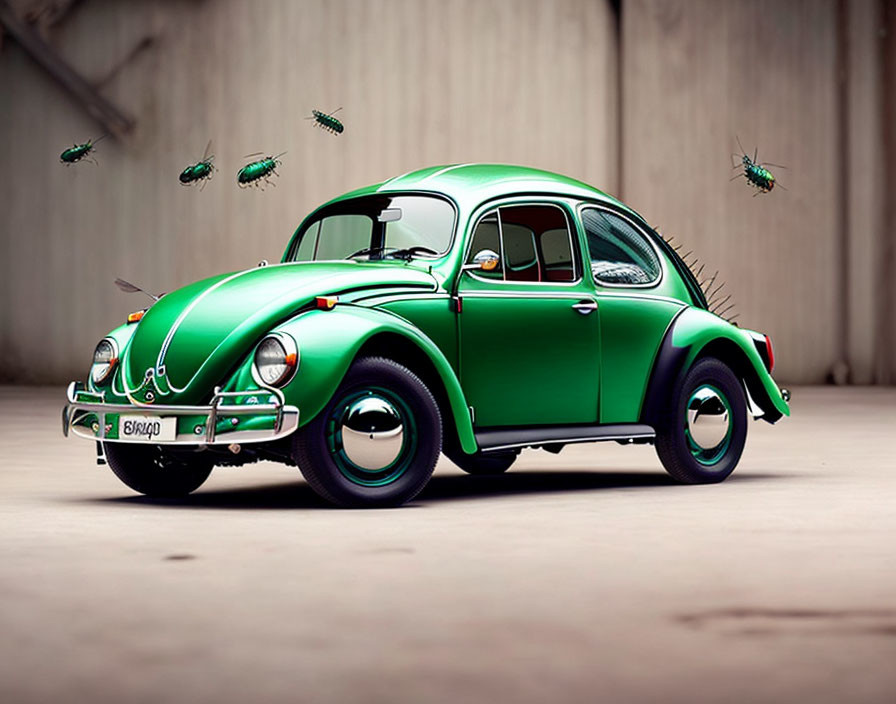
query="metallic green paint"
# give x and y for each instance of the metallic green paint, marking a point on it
(194, 334)
(518, 353)
(330, 340)
(632, 329)
(695, 328)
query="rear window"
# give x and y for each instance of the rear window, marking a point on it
(620, 254)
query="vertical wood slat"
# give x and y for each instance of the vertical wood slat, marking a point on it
(699, 73)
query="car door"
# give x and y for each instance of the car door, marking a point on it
(529, 331)
(637, 304)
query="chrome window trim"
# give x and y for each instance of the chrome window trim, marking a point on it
(495, 207)
(584, 205)
(564, 295)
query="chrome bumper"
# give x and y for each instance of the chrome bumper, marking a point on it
(204, 432)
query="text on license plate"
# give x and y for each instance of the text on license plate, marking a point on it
(147, 428)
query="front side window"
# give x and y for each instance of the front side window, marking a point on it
(620, 254)
(532, 241)
(377, 227)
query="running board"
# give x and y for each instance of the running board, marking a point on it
(510, 438)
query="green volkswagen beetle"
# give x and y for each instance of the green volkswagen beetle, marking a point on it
(472, 309)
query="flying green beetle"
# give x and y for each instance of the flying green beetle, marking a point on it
(327, 121)
(200, 171)
(254, 171)
(757, 174)
(80, 151)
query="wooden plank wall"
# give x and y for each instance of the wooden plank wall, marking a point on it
(420, 83)
(801, 262)
(446, 81)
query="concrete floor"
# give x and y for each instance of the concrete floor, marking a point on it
(580, 577)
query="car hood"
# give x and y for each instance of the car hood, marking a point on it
(194, 336)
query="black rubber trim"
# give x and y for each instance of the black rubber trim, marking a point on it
(666, 368)
(506, 438)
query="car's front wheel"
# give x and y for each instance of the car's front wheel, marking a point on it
(376, 442)
(704, 428)
(155, 471)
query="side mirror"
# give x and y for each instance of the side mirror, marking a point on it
(485, 260)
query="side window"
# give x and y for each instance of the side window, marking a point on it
(520, 257)
(619, 253)
(532, 241)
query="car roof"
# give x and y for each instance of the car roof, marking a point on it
(471, 184)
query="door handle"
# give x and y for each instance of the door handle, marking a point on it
(585, 307)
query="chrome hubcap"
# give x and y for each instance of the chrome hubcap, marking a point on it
(708, 418)
(372, 433)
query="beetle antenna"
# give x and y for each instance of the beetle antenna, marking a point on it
(128, 287)
(100, 138)
(253, 154)
(207, 147)
(740, 145)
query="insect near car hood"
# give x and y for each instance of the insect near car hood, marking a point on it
(193, 336)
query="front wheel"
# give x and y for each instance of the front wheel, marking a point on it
(704, 427)
(155, 471)
(376, 442)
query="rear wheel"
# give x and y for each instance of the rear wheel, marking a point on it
(704, 426)
(155, 471)
(376, 443)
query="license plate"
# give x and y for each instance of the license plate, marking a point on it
(147, 428)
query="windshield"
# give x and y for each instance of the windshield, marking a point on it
(377, 227)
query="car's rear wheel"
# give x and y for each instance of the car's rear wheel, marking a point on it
(484, 463)
(155, 471)
(376, 442)
(704, 426)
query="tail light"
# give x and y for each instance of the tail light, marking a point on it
(771, 354)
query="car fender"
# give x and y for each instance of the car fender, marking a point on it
(696, 333)
(328, 342)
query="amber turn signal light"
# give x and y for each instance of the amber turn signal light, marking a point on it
(326, 302)
(136, 316)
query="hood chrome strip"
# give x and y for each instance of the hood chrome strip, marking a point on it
(160, 361)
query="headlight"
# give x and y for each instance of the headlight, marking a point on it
(276, 359)
(105, 357)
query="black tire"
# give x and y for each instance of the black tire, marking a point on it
(681, 455)
(324, 457)
(155, 471)
(484, 463)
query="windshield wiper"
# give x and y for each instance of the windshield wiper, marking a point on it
(404, 253)
(369, 250)
(416, 249)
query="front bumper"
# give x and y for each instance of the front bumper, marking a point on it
(220, 423)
